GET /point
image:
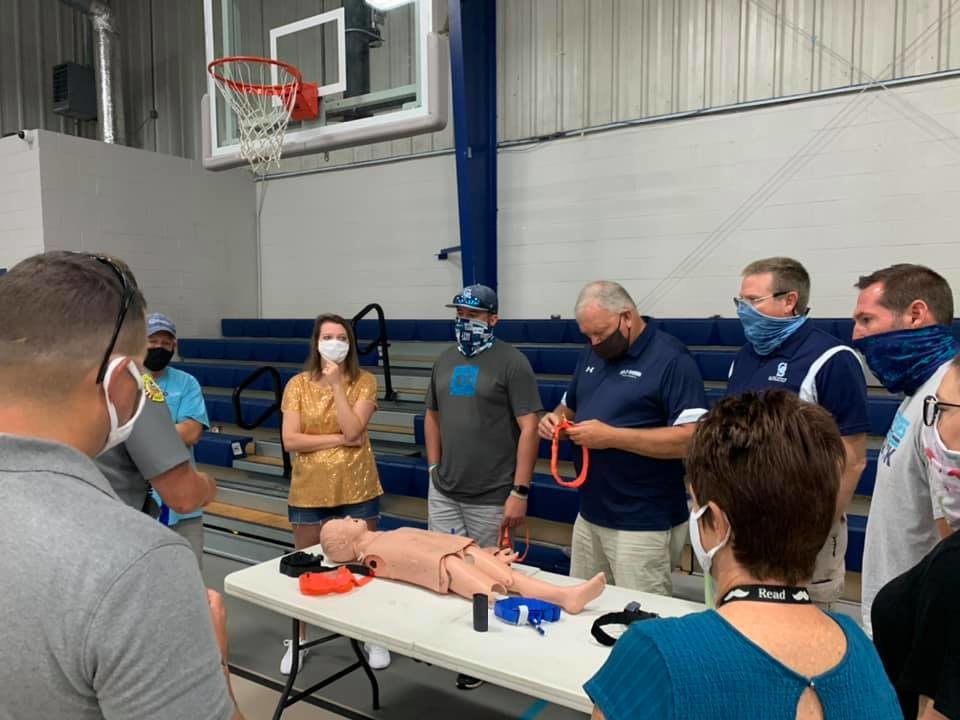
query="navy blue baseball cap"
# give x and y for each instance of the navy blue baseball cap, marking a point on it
(476, 297)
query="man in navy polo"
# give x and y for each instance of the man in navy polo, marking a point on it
(786, 352)
(635, 396)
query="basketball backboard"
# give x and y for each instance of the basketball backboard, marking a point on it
(381, 67)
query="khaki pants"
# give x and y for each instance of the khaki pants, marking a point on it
(638, 560)
(830, 570)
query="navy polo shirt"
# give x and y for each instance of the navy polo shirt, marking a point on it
(816, 366)
(655, 384)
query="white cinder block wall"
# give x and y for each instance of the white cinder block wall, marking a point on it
(333, 242)
(188, 234)
(21, 218)
(632, 205)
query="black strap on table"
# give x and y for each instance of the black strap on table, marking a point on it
(766, 593)
(630, 614)
(296, 564)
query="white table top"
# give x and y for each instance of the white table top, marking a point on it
(438, 629)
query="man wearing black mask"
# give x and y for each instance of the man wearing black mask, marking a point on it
(636, 395)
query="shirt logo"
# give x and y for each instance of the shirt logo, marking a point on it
(152, 390)
(463, 382)
(632, 374)
(898, 431)
(781, 376)
(589, 369)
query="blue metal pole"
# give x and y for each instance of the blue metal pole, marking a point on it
(473, 67)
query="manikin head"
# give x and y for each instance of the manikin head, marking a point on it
(339, 538)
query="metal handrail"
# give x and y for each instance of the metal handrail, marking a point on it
(382, 342)
(266, 414)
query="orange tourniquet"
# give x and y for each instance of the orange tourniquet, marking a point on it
(582, 477)
(340, 580)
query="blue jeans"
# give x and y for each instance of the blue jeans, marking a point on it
(367, 510)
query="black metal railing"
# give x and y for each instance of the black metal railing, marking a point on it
(382, 342)
(266, 414)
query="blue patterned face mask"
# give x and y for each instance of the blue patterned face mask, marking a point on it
(765, 332)
(903, 360)
(473, 336)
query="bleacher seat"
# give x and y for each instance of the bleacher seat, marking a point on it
(714, 364)
(418, 434)
(551, 332)
(869, 476)
(856, 533)
(433, 331)
(691, 332)
(511, 331)
(396, 474)
(217, 448)
(730, 332)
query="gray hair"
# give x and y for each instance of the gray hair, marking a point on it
(609, 295)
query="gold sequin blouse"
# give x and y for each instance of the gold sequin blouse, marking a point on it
(335, 476)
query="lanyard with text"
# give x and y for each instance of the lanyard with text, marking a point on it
(554, 452)
(766, 593)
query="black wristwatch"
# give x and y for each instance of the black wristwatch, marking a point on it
(523, 490)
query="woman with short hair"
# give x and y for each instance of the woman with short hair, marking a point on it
(764, 471)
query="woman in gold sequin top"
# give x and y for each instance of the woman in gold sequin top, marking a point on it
(326, 410)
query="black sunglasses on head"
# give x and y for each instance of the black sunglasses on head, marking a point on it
(125, 298)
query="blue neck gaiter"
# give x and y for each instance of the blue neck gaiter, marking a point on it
(765, 333)
(903, 360)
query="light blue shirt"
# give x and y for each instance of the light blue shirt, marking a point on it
(184, 399)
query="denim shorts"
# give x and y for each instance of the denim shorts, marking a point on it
(366, 510)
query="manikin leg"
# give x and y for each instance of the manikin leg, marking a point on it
(467, 579)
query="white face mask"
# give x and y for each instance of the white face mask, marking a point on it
(333, 350)
(943, 474)
(703, 557)
(120, 433)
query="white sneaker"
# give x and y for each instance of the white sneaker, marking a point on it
(378, 657)
(287, 662)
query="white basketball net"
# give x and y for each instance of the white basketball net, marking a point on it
(262, 96)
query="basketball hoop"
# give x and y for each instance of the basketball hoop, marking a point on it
(265, 94)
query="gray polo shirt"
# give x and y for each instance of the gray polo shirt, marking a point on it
(86, 583)
(153, 447)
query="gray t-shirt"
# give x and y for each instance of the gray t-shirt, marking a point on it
(87, 582)
(153, 447)
(902, 524)
(479, 400)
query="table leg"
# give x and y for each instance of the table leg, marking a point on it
(374, 686)
(292, 677)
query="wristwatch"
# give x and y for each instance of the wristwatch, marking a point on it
(522, 490)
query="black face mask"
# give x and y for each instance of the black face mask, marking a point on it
(158, 358)
(614, 346)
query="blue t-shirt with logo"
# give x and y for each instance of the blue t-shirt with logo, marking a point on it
(655, 384)
(184, 399)
(814, 365)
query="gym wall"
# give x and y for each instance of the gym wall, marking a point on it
(189, 235)
(633, 204)
(21, 219)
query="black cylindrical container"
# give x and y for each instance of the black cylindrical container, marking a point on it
(480, 610)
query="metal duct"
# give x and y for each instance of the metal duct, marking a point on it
(107, 66)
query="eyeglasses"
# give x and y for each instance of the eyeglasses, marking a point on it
(932, 409)
(756, 301)
(125, 298)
